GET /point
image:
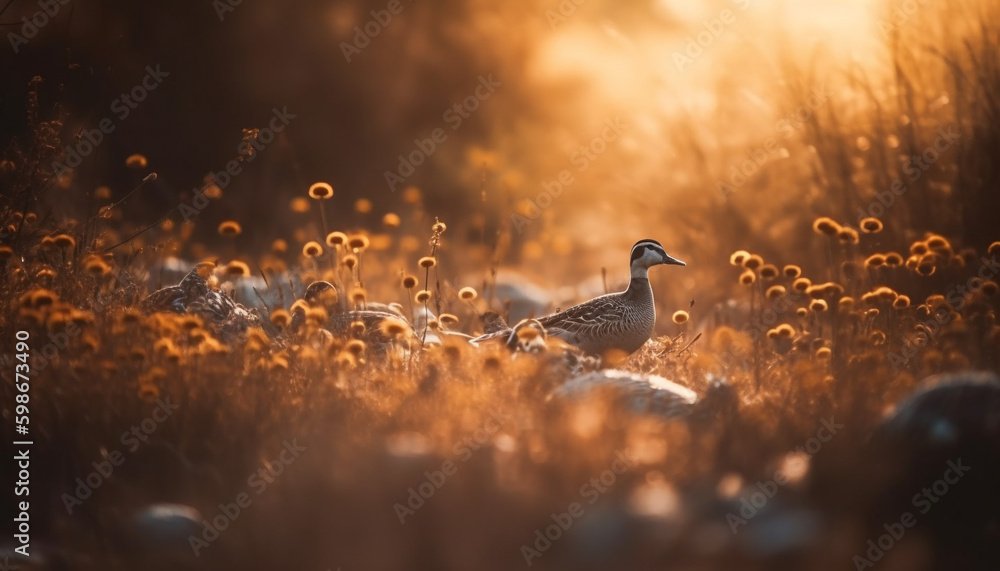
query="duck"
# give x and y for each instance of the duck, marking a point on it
(614, 323)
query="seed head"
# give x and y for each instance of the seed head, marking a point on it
(681, 316)
(334, 239)
(237, 268)
(422, 296)
(738, 257)
(280, 318)
(826, 225)
(393, 327)
(409, 282)
(467, 294)
(350, 260)
(427, 262)
(358, 296)
(355, 347)
(775, 291)
(358, 242)
(320, 191)
(792, 271)
(312, 249)
(871, 225)
(753, 262)
(818, 305)
(391, 220)
(847, 235)
(801, 284)
(357, 328)
(230, 228)
(893, 260)
(747, 277)
(136, 161)
(64, 241)
(769, 271)
(875, 261)
(901, 302)
(823, 353)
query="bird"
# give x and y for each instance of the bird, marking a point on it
(614, 323)
(195, 295)
(642, 393)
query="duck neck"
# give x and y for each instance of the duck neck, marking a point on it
(638, 285)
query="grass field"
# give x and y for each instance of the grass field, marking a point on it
(839, 225)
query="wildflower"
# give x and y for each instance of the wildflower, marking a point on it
(427, 262)
(792, 271)
(801, 284)
(875, 261)
(466, 293)
(846, 303)
(411, 195)
(357, 328)
(753, 262)
(893, 260)
(349, 261)
(64, 241)
(409, 282)
(422, 296)
(823, 353)
(769, 271)
(738, 257)
(230, 228)
(448, 319)
(355, 347)
(358, 296)
(818, 305)
(919, 248)
(96, 265)
(358, 242)
(877, 337)
(847, 235)
(362, 206)
(825, 225)
(391, 220)
(334, 239)
(136, 161)
(312, 249)
(775, 291)
(280, 318)
(393, 327)
(871, 225)
(747, 277)
(901, 302)
(238, 269)
(320, 191)
(681, 316)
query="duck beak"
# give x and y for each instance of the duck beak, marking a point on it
(673, 261)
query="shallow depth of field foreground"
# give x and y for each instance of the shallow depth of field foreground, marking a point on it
(246, 251)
